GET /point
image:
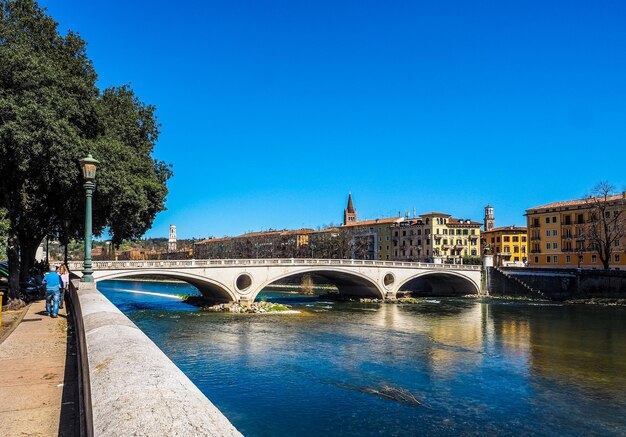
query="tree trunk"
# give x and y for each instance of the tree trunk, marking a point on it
(28, 252)
(13, 255)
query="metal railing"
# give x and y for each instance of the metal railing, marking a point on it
(204, 263)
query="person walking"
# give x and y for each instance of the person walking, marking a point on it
(53, 282)
(64, 272)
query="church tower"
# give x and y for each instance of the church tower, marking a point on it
(171, 242)
(490, 221)
(349, 214)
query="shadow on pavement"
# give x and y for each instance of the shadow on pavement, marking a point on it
(69, 425)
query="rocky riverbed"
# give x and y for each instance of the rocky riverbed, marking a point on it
(261, 307)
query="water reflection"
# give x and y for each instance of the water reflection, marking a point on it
(479, 368)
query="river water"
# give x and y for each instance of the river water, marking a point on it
(473, 368)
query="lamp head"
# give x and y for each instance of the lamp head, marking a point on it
(88, 166)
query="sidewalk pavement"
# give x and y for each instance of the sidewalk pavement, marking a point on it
(38, 377)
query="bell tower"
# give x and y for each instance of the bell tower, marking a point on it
(490, 221)
(349, 214)
(171, 242)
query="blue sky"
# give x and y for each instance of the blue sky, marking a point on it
(272, 111)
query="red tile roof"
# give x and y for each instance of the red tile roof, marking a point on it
(577, 202)
(378, 221)
(508, 228)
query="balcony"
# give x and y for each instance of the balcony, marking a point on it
(535, 239)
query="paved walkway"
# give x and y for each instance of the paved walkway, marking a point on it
(38, 377)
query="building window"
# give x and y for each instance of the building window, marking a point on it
(523, 239)
(548, 245)
(536, 260)
(554, 219)
(594, 258)
(554, 232)
(547, 219)
(555, 245)
(536, 223)
(516, 239)
(547, 232)
(493, 240)
(473, 252)
(506, 249)
(498, 239)
(548, 259)
(568, 259)
(507, 239)
(617, 258)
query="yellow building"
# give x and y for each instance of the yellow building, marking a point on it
(435, 236)
(371, 239)
(509, 245)
(560, 233)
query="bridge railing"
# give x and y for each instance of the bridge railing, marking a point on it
(196, 263)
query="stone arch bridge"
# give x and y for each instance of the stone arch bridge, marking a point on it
(241, 280)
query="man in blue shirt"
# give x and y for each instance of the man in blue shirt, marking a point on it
(53, 282)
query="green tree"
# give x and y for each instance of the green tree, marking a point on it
(51, 115)
(4, 233)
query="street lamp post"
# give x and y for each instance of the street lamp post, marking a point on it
(88, 166)
(66, 224)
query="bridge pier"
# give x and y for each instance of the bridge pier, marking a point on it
(245, 301)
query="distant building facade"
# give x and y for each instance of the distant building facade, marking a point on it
(394, 238)
(508, 245)
(560, 233)
(435, 235)
(264, 244)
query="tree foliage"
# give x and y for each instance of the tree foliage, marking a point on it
(51, 115)
(606, 228)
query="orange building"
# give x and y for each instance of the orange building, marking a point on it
(560, 233)
(509, 245)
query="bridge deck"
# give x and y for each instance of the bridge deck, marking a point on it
(204, 263)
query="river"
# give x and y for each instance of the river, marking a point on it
(473, 368)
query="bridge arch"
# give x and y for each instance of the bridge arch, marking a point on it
(210, 288)
(349, 283)
(441, 283)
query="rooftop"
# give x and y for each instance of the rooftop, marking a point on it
(508, 228)
(577, 202)
(375, 222)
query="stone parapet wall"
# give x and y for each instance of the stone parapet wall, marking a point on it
(135, 389)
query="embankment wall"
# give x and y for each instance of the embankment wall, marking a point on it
(130, 386)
